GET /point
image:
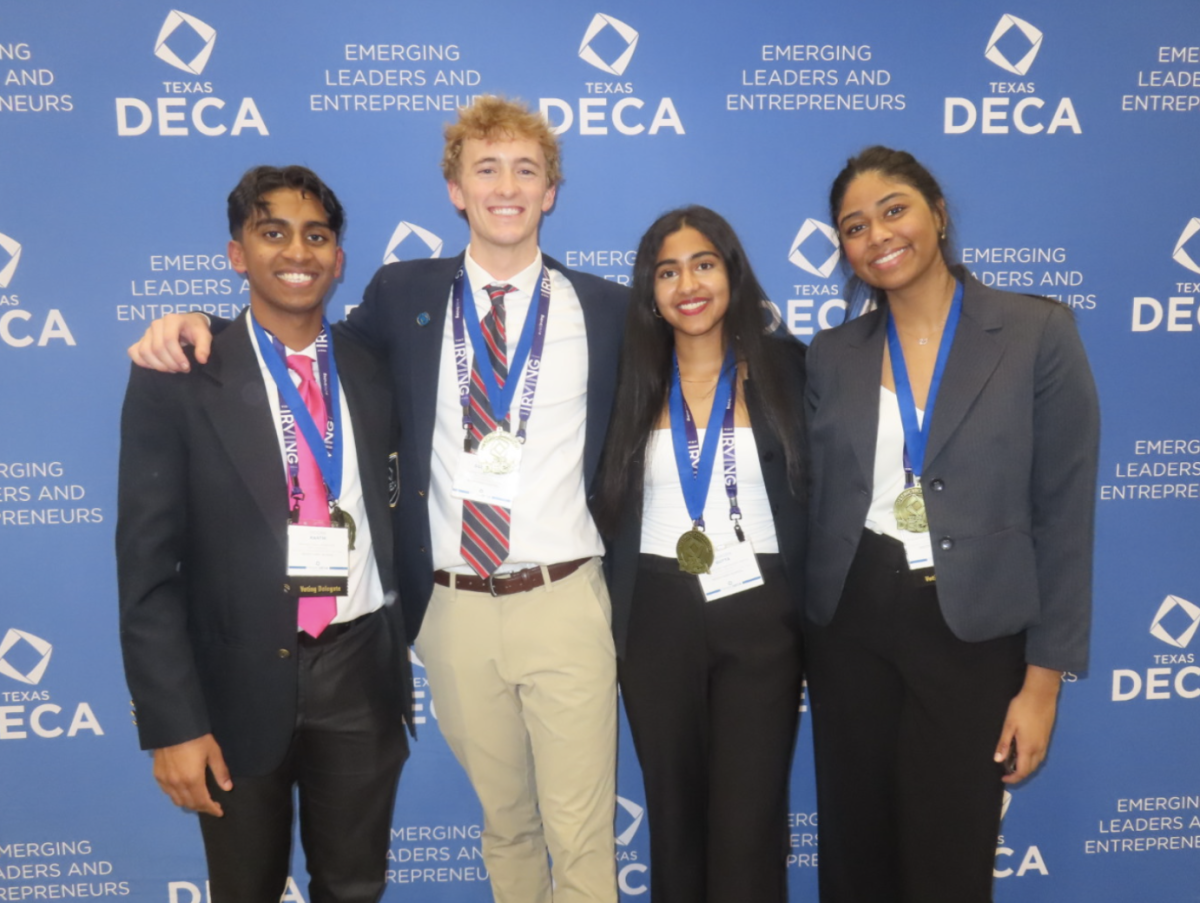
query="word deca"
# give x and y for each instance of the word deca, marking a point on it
(962, 116)
(54, 327)
(135, 117)
(1149, 314)
(594, 116)
(43, 721)
(1158, 684)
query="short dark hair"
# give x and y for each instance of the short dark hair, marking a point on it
(246, 200)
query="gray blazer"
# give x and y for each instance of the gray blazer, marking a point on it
(1009, 476)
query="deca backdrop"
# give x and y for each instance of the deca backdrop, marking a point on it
(1063, 133)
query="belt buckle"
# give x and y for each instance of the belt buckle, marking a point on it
(491, 585)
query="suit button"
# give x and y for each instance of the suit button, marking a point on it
(768, 456)
(774, 509)
(947, 543)
(937, 485)
(421, 493)
(422, 550)
(287, 587)
(283, 653)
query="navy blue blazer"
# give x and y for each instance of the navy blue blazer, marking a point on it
(1009, 475)
(403, 315)
(208, 631)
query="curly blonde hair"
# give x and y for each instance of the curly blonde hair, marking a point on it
(492, 118)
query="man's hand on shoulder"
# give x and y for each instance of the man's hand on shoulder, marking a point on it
(161, 346)
(180, 772)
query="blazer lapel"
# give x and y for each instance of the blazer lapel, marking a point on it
(859, 382)
(424, 355)
(973, 358)
(234, 396)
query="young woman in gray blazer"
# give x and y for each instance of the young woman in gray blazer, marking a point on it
(953, 435)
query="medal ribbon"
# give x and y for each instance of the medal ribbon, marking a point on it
(695, 463)
(916, 436)
(529, 346)
(326, 445)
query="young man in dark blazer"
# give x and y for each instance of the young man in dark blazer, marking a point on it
(248, 679)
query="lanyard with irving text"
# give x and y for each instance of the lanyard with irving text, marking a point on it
(325, 445)
(695, 463)
(529, 346)
(910, 504)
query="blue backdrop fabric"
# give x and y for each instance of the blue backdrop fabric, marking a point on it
(1060, 132)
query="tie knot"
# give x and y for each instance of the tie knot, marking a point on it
(302, 365)
(496, 292)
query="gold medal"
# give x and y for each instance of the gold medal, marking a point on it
(499, 452)
(339, 518)
(910, 510)
(695, 552)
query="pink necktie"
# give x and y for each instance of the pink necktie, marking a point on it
(315, 612)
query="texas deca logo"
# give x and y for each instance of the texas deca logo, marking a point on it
(1174, 625)
(417, 242)
(1013, 47)
(1178, 312)
(630, 871)
(816, 250)
(185, 43)
(609, 46)
(16, 328)
(24, 659)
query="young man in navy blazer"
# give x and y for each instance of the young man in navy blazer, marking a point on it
(241, 695)
(517, 648)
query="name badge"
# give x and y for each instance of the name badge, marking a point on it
(475, 481)
(734, 570)
(318, 560)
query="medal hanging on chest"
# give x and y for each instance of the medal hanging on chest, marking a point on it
(909, 507)
(694, 462)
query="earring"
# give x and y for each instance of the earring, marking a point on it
(654, 308)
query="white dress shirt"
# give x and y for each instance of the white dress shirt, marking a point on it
(365, 588)
(550, 518)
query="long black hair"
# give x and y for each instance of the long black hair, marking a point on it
(896, 166)
(644, 380)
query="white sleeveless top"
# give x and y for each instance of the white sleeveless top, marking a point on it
(889, 480)
(664, 513)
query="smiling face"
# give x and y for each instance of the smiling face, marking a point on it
(290, 257)
(890, 235)
(691, 285)
(503, 189)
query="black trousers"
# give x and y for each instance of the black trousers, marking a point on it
(906, 718)
(712, 691)
(344, 759)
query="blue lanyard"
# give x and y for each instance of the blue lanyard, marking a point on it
(695, 464)
(325, 445)
(916, 437)
(499, 397)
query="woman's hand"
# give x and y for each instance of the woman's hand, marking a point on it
(1029, 721)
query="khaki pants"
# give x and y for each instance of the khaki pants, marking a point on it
(524, 687)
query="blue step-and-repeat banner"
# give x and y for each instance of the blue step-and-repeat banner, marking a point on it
(1064, 133)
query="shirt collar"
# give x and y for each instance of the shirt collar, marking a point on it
(524, 282)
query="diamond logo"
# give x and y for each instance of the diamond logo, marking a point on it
(203, 30)
(433, 244)
(1004, 805)
(598, 24)
(1180, 612)
(810, 228)
(13, 247)
(1006, 24)
(40, 647)
(637, 813)
(1180, 254)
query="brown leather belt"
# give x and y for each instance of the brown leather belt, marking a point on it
(505, 584)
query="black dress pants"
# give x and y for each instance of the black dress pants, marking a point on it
(344, 759)
(712, 691)
(906, 718)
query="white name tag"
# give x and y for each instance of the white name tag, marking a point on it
(734, 569)
(317, 551)
(472, 482)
